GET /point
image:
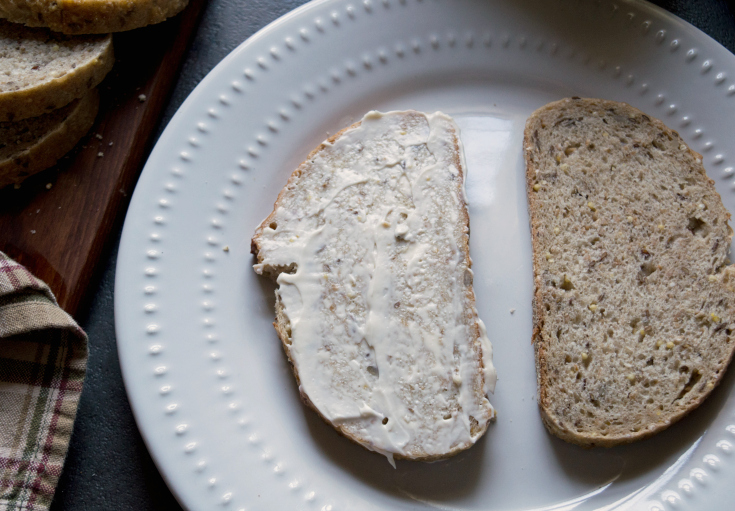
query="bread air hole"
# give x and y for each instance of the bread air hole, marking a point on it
(566, 284)
(672, 239)
(634, 323)
(693, 380)
(647, 269)
(571, 148)
(698, 227)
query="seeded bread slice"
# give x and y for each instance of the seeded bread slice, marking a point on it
(634, 308)
(89, 16)
(369, 243)
(35, 144)
(41, 71)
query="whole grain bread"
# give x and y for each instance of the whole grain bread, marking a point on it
(89, 16)
(634, 308)
(41, 71)
(369, 243)
(32, 145)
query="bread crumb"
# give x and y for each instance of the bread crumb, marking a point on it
(100, 154)
(142, 98)
(512, 311)
(98, 136)
(16, 186)
(110, 144)
(49, 185)
(226, 248)
(33, 231)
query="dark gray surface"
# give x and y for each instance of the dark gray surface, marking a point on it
(108, 466)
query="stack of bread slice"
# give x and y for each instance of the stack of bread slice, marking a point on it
(48, 78)
(48, 95)
(89, 16)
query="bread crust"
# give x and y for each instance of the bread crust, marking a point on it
(541, 335)
(89, 16)
(281, 324)
(55, 143)
(53, 93)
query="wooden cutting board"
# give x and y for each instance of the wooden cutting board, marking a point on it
(56, 224)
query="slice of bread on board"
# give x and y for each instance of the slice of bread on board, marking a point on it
(369, 244)
(634, 304)
(41, 71)
(32, 145)
(89, 16)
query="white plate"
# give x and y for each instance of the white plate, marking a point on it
(209, 384)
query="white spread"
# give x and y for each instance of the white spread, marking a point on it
(381, 336)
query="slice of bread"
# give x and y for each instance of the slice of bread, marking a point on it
(89, 16)
(35, 144)
(41, 71)
(634, 310)
(369, 244)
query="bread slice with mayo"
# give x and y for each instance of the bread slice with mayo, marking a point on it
(369, 244)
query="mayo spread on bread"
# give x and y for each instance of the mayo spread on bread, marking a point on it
(370, 244)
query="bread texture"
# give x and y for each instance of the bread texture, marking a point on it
(369, 245)
(32, 145)
(41, 71)
(633, 308)
(89, 16)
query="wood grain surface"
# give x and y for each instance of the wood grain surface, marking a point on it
(57, 222)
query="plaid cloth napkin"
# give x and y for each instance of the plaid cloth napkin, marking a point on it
(43, 358)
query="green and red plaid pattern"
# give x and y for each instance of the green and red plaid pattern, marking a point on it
(43, 358)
